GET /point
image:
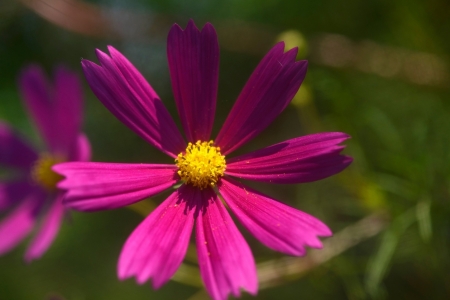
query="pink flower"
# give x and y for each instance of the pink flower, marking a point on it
(158, 245)
(32, 195)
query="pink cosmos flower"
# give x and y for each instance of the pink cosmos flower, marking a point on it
(158, 245)
(31, 197)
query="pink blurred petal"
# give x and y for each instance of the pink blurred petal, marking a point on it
(38, 96)
(47, 232)
(225, 260)
(194, 69)
(14, 152)
(266, 94)
(13, 192)
(97, 186)
(276, 225)
(158, 245)
(66, 111)
(55, 109)
(123, 90)
(304, 159)
(82, 149)
(17, 225)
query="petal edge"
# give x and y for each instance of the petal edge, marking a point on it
(276, 225)
(96, 186)
(225, 259)
(193, 57)
(158, 245)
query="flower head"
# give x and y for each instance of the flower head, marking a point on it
(157, 246)
(33, 195)
(201, 165)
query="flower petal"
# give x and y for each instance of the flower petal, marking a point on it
(194, 69)
(125, 92)
(37, 97)
(14, 152)
(225, 260)
(67, 109)
(97, 186)
(16, 226)
(269, 90)
(13, 192)
(275, 224)
(48, 230)
(56, 110)
(82, 149)
(158, 245)
(303, 159)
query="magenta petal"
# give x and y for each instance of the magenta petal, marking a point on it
(97, 186)
(37, 97)
(48, 230)
(225, 260)
(14, 152)
(125, 92)
(13, 192)
(56, 110)
(16, 226)
(66, 113)
(269, 90)
(194, 69)
(82, 149)
(158, 245)
(304, 159)
(276, 225)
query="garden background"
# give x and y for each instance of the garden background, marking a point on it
(378, 70)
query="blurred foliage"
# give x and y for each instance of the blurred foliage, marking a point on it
(399, 128)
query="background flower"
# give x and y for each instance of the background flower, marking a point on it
(29, 197)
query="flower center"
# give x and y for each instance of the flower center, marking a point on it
(201, 165)
(42, 173)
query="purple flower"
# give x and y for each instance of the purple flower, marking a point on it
(30, 196)
(158, 245)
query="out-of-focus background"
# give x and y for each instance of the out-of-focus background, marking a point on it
(378, 70)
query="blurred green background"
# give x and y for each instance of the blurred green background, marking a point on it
(379, 70)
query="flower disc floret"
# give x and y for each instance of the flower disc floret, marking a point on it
(201, 165)
(42, 172)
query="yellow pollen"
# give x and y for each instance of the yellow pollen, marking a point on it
(42, 173)
(201, 165)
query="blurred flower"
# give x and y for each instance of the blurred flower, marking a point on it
(32, 196)
(157, 246)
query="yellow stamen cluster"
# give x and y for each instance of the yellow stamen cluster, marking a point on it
(42, 173)
(201, 165)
